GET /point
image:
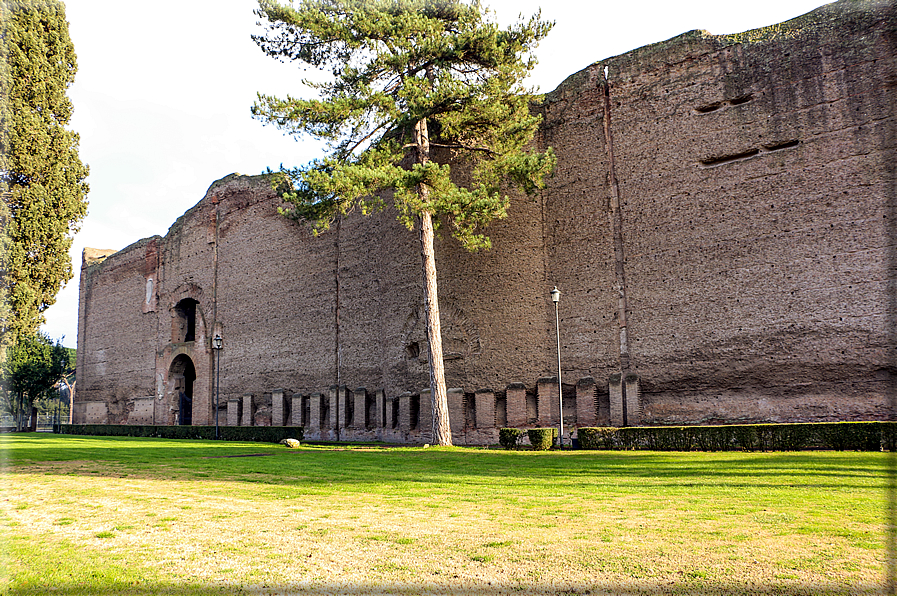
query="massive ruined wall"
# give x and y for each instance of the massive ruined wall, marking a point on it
(754, 176)
(297, 312)
(724, 200)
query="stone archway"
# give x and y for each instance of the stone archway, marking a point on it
(182, 376)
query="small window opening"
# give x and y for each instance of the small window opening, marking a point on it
(412, 350)
(184, 324)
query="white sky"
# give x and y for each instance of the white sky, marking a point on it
(163, 92)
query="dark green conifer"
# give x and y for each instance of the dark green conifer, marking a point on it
(41, 175)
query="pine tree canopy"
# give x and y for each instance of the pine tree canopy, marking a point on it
(41, 175)
(397, 65)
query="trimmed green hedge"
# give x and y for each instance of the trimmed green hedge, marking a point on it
(509, 437)
(542, 438)
(262, 434)
(838, 436)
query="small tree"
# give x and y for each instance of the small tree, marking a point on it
(32, 368)
(409, 77)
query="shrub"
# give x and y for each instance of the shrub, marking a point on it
(263, 434)
(509, 437)
(542, 438)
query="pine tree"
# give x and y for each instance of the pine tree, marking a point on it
(41, 175)
(409, 77)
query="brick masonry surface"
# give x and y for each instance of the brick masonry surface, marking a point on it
(718, 224)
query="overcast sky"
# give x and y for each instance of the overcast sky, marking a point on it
(163, 92)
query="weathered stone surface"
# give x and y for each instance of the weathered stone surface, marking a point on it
(484, 401)
(750, 181)
(587, 404)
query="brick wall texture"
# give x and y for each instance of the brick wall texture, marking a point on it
(719, 225)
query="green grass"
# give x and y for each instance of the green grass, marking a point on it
(102, 515)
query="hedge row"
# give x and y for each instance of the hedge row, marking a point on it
(262, 434)
(838, 436)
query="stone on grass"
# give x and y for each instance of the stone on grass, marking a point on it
(290, 443)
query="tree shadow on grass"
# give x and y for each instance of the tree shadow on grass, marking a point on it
(144, 458)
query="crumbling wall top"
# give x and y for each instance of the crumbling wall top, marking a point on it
(93, 256)
(830, 20)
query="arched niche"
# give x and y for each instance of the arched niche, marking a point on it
(182, 374)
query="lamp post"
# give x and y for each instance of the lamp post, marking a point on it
(556, 297)
(217, 344)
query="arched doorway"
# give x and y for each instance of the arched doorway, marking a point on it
(183, 374)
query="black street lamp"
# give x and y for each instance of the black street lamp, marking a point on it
(556, 297)
(217, 344)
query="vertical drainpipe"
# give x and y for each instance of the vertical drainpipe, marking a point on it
(616, 216)
(337, 353)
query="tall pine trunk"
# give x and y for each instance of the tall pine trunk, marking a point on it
(442, 432)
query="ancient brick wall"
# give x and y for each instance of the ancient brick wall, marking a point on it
(723, 198)
(114, 364)
(754, 178)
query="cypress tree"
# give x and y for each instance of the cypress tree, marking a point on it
(41, 175)
(410, 78)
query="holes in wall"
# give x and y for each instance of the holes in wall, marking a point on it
(715, 161)
(412, 350)
(779, 146)
(735, 101)
(708, 108)
(710, 162)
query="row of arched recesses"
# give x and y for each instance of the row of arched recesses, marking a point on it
(183, 373)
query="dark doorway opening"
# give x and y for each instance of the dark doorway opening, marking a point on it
(183, 373)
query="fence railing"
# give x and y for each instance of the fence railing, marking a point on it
(45, 422)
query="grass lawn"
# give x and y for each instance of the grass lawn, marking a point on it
(91, 515)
